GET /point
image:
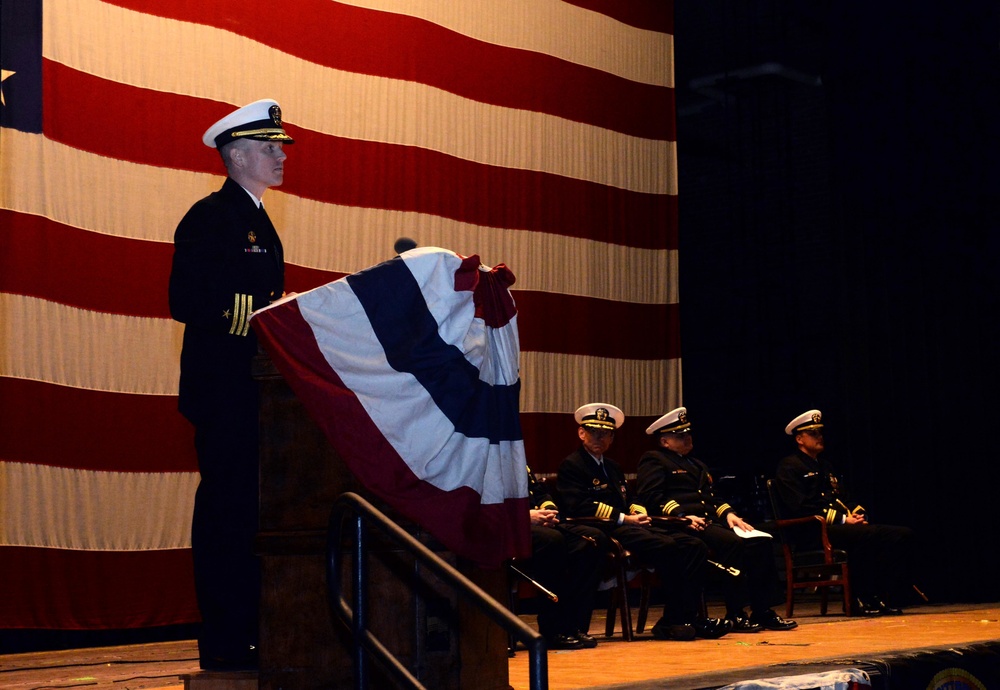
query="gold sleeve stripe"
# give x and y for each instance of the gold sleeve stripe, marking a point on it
(604, 511)
(637, 509)
(722, 509)
(831, 515)
(549, 505)
(242, 308)
(670, 506)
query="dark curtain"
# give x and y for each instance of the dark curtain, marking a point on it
(838, 249)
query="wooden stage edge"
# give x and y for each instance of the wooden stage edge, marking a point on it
(644, 664)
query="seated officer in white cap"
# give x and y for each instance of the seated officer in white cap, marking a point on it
(228, 261)
(591, 485)
(878, 555)
(675, 484)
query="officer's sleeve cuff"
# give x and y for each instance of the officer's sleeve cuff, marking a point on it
(239, 317)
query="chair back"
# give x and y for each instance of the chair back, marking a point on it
(773, 499)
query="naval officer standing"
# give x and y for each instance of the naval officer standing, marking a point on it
(227, 262)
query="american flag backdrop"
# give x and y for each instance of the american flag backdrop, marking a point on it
(535, 133)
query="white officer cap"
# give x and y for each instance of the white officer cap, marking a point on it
(813, 419)
(672, 422)
(259, 120)
(599, 416)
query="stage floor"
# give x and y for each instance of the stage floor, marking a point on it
(644, 664)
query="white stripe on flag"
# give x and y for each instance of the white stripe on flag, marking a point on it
(103, 511)
(46, 341)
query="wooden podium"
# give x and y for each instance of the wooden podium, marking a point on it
(443, 641)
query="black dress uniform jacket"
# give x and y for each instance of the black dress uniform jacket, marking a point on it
(539, 498)
(227, 262)
(586, 491)
(678, 486)
(808, 486)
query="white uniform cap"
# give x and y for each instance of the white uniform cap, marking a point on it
(259, 120)
(671, 423)
(599, 416)
(813, 419)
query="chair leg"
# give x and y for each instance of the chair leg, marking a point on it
(609, 625)
(789, 583)
(824, 594)
(640, 623)
(846, 587)
(626, 611)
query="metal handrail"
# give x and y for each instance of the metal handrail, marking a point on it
(356, 618)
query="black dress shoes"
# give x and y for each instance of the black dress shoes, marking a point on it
(681, 631)
(769, 620)
(742, 624)
(712, 628)
(875, 607)
(561, 641)
(586, 641)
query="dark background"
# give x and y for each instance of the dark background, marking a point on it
(838, 181)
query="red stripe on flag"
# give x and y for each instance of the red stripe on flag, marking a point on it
(302, 278)
(550, 437)
(386, 176)
(116, 277)
(552, 322)
(46, 424)
(354, 39)
(93, 590)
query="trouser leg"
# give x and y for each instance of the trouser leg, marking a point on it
(223, 531)
(679, 561)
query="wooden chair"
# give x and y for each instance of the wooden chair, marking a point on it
(617, 569)
(645, 580)
(822, 568)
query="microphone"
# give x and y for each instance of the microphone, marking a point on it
(404, 244)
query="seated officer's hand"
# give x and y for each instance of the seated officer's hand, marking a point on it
(736, 522)
(545, 518)
(697, 523)
(638, 519)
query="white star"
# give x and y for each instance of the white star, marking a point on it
(4, 73)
